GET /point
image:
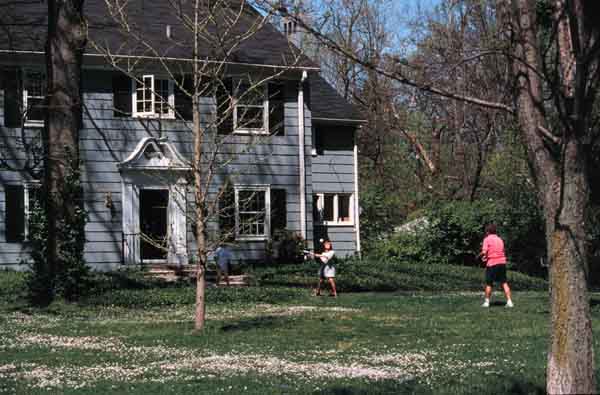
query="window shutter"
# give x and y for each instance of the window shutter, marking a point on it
(13, 98)
(183, 100)
(121, 95)
(14, 206)
(227, 214)
(224, 117)
(278, 210)
(276, 109)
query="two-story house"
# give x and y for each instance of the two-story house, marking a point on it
(294, 162)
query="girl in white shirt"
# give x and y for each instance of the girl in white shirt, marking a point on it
(327, 270)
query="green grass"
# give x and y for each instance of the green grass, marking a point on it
(136, 336)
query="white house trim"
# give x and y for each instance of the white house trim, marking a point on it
(301, 149)
(154, 164)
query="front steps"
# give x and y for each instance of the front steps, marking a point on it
(188, 272)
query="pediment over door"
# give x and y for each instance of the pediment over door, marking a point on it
(153, 153)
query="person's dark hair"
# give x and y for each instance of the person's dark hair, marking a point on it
(490, 229)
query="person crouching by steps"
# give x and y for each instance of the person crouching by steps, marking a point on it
(492, 253)
(223, 261)
(327, 270)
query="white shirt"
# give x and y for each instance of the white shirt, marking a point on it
(326, 256)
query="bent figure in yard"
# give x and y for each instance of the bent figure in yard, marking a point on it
(223, 261)
(327, 270)
(492, 254)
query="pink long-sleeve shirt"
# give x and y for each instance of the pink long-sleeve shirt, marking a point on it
(493, 250)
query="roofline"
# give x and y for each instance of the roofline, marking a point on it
(339, 120)
(172, 60)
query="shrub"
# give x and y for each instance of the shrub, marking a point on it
(285, 247)
(455, 231)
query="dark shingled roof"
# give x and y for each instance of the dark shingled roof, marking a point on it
(23, 26)
(328, 104)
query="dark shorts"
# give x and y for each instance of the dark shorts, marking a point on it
(495, 274)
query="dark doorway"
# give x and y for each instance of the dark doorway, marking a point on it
(153, 223)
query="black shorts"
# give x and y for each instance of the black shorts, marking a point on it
(495, 274)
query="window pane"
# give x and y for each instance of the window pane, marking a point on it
(252, 212)
(250, 117)
(35, 109)
(254, 96)
(34, 83)
(344, 208)
(161, 99)
(252, 200)
(328, 208)
(35, 86)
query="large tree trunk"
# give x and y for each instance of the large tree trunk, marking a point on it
(64, 52)
(563, 189)
(571, 356)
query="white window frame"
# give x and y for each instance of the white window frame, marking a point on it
(336, 195)
(265, 107)
(26, 96)
(27, 187)
(152, 114)
(255, 188)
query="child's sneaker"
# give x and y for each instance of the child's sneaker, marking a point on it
(486, 303)
(509, 303)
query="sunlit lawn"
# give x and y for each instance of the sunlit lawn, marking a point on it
(362, 343)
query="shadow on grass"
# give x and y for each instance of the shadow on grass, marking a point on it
(265, 322)
(383, 387)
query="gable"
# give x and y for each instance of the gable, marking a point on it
(153, 153)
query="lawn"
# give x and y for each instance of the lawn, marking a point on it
(137, 337)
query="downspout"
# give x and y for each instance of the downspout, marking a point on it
(356, 205)
(301, 154)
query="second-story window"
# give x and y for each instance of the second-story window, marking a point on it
(251, 111)
(153, 97)
(34, 90)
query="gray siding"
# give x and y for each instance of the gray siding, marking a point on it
(105, 141)
(333, 172)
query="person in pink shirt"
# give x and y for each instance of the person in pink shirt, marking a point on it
(492, 253)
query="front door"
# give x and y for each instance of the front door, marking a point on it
(154, 224)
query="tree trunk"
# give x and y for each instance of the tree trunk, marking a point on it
(563, 188)
(571, 356)
(64, 52)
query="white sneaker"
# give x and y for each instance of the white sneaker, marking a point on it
(509, 303)
(486, 303)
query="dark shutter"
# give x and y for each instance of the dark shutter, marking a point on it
(224, 112)
(183, 98)
(13, 98)
(14, 206)
(276, 109)
(227, 214)
(278, 210)
(121, 95)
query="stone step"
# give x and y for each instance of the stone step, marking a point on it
(175, 273)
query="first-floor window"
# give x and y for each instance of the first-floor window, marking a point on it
(333, 208)
(252, 205)
(18, 203)
(153, 97)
